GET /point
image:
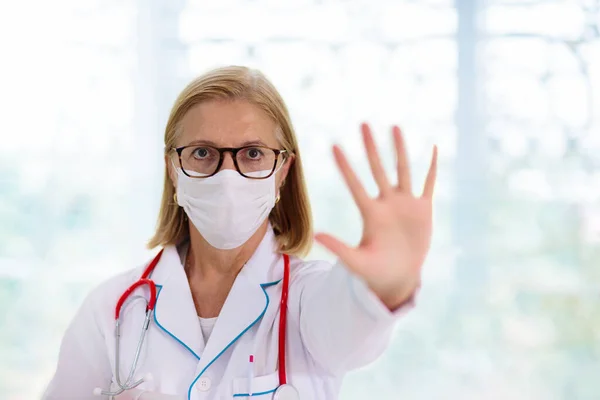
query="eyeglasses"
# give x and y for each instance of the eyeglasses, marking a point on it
(253, 162)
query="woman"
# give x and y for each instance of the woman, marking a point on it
(233, 224)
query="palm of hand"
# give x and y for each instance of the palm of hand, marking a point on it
(397, 226)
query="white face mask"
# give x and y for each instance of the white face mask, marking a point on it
(226, 208)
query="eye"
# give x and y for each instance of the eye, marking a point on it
(254, 153)
(200, 153)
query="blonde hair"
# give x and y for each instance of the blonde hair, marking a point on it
(291, 218)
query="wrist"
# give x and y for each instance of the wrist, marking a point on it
(399, 298)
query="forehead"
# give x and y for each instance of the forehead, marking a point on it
(227, 123)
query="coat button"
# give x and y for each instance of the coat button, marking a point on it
(203, 384)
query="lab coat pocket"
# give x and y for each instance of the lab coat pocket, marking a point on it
(263, 386)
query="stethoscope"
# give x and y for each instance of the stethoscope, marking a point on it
(284, 391)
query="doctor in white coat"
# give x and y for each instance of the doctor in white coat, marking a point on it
(234, 207)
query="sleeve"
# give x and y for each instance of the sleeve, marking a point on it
(343, 324)
(83, 363)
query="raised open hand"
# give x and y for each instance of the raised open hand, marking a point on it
(397, 225)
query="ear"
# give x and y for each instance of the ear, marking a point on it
(171, 170)
(283, 172)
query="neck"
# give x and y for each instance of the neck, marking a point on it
(205, 261)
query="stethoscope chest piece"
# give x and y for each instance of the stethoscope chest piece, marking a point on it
(286, 392)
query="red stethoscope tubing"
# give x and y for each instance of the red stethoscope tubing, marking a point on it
(145, 280)
(283, 319)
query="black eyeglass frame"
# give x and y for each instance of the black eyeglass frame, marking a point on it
(233, 151)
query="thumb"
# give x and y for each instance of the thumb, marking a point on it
(344, 252)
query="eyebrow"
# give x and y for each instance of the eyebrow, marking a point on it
(256, 142)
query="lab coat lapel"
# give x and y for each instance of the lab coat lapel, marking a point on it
(246, 303)
(175, 313)
(244, 307)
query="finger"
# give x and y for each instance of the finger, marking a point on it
(404, 183)
(356, 188)
(375, 160)
(431, 175)
(344, 252)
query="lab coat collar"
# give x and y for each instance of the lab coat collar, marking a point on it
(266, 264)
(174, 312)
(264, 267)
(245, 305)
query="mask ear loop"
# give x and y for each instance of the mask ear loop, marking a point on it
(279, 167)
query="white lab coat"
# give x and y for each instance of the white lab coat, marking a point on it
(334, 324)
